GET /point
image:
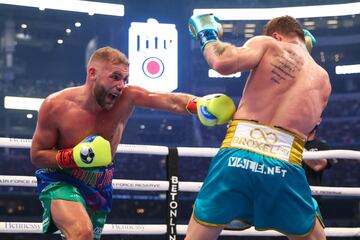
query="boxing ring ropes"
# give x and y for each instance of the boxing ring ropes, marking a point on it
(171, 228)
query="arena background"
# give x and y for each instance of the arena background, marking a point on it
(33, 64)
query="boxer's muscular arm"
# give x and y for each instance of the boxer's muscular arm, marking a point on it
(93, 151)
(227, 59)
(211, 109)
(45, 136)
(172, 102)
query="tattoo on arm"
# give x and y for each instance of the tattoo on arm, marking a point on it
(219, 48)
(214, 50)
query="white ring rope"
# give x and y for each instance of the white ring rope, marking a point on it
(160, 229)
(148, 185)
(186, 151)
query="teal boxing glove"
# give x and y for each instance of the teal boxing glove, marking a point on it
(206, 28)
(310, 40)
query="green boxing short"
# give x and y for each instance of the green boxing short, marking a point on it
(65, 191)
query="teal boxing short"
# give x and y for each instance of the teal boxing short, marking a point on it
(263, 191)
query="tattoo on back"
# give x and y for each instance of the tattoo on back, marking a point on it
(286, 66)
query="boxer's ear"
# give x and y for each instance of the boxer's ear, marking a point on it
(277, 36)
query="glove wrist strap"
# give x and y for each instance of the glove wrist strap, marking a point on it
(191, 106)
(206, 36)
(65, 158)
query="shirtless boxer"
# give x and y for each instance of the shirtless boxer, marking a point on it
(257, 176)
(78, 132)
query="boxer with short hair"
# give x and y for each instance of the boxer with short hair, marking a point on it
(256, 176)
(77, 134)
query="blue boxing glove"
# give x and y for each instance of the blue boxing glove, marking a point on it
(310, 40)
(206, 28)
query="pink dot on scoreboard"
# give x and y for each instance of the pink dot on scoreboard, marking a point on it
(153, 67)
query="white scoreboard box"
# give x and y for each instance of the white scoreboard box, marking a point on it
(153, 55)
